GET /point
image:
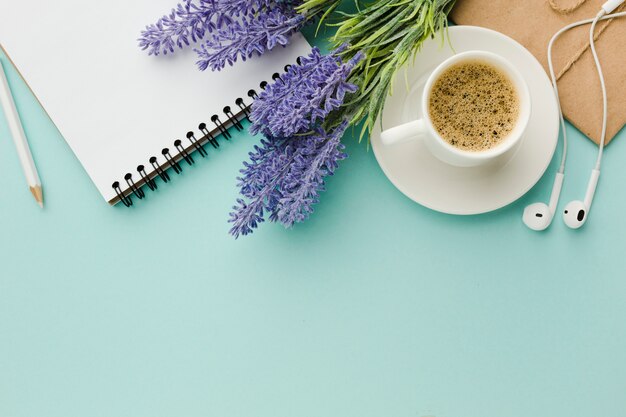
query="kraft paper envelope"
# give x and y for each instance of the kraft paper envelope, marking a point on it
(533, 22)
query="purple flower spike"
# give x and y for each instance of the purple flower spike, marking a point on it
(191, 20)
(260, 182)
(305, 95)
(306, 178)
(188, 22)
(284, 179)
(248, 36)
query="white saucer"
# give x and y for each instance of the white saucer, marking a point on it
(448, 189)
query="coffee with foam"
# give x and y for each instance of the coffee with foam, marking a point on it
(473, 106)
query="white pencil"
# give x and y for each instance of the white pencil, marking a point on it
(19, 138)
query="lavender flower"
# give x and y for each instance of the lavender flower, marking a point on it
(285, 177)
(249, 8)
(306, 178)
(306, 94)
(260, 182)
(287, 171)
(191, 20)
(247, 36)
(187, 21)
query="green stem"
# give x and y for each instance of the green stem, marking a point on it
(389, 32)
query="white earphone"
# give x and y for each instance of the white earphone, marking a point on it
(538, 216)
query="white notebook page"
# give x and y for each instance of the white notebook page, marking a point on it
(115, 105)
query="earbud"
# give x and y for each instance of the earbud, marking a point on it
(576, 212)
(538, 216)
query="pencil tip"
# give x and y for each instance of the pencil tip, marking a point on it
(38, 194)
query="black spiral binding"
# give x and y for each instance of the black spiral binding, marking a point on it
(223, 131)
(127, 201)
(207, 134)
(198, 147)
(188, 158)
(131, 184)
(232, 119)
(242, 106)
(184, 151)
(149, 181)
(166, 153)
(157, 168)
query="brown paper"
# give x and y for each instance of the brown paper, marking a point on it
(533, 22)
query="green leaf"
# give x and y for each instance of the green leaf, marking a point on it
(389, 32)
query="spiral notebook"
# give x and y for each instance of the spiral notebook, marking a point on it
(128, 117)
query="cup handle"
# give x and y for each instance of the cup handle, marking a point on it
(404, 133)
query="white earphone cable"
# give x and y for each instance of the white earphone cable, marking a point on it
(556, 93)
(592, 43)
(593, 22)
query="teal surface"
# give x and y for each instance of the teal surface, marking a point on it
(374, 307)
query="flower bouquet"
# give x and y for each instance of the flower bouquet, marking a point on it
(302, 115)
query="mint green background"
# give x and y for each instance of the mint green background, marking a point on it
(374, 307)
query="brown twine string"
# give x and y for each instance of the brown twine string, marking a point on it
(565, 10)
(568, 10)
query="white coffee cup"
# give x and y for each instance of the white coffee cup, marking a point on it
(422, 129)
